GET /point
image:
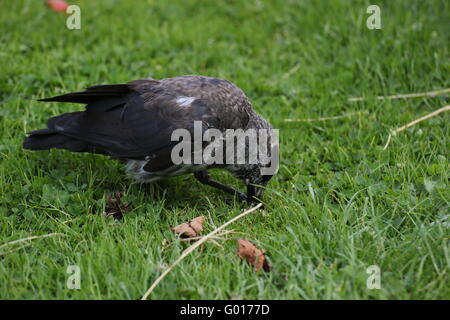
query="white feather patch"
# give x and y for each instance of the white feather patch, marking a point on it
(184, 101)
(135, 170)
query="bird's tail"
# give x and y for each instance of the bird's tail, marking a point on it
(47, 138)
(50, 137)
(100, 98)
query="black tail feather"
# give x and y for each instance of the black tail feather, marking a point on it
(39, 140)
(93, 94)
(92, 130)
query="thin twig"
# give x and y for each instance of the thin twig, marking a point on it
(194, 246)
(405, 96)
(212, 239)
(290, 72)
(345, 115)
(199, 237)
(14, 250)
(412, 123)
(31, 238)
(216, 243)
(219, 236)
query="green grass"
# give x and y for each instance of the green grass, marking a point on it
(339, 202)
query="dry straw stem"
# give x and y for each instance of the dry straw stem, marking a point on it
(195, 246)
(412, 123)
(290, 72)
(345, 115)
(14, 250)
(397, 96)
(406, 96)
(27, 239)
(212, 239)
(216, 237)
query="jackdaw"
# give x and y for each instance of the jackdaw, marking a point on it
(135, 123)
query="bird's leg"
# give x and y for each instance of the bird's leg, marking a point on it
(252, 193)
(204, 178)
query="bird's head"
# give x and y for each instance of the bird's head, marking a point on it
(258, 175)
(256, 186)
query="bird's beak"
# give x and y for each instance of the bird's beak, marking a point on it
(254, 192)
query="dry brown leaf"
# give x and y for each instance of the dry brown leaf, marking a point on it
(191, 228)
(194, 246)
(254, 256)
(115, 208)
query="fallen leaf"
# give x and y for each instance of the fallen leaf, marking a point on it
(57, 5)
(254, 256)
(115, 208)
(191, 228)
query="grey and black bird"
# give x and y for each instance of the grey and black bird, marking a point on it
(134, 122)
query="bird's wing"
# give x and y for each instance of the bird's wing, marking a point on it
(136, 120)
(132, 121)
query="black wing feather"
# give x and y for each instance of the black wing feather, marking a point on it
(129, 121)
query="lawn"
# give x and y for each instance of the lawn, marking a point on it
(339, 203)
